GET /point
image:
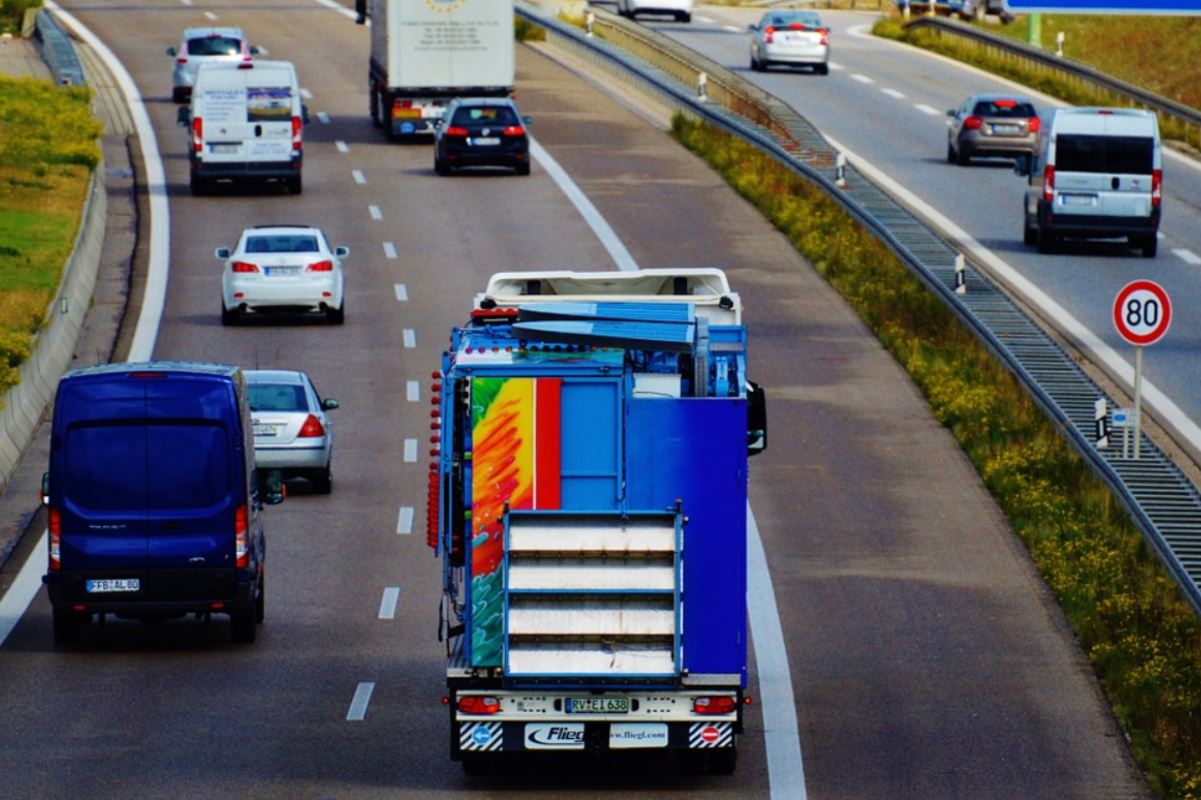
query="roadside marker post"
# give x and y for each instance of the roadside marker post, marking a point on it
(1142, 313)
(1101, 423)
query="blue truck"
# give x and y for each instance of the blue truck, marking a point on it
(588, 499)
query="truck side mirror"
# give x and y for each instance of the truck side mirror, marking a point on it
(183, 117)
(270, 485)
(45, 488)
(756, 419)
(1023, 164)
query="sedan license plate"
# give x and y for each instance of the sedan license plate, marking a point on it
(598, 705)
(103, 585)
(266, 430)
(223, 148)
(277, 271)
(485, 140)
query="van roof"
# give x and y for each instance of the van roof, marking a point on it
(1106, 121)
(175, 367)
(247, 68)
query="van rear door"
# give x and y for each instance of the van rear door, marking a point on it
(246, 115)
(1107, 176)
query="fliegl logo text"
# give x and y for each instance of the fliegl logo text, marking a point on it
(555, 736)
(445, 6)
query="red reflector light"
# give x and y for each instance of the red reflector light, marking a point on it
(479, 704)
(147, 375)
(311, 427)
(455, 130)
(320, 266)
(217, 606)
(1036, 124)
(714, 705)
(972, 123)
(513, 130)
(55, 540)
(244, 266)
(1105, 112)
(79, 607)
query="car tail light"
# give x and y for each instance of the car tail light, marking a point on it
(973, 123)
(513, 130)
(181, 60)
(247, 64)
(481, 704)
(244, 266)
(714, 705)
(1156, 186)
(197, 134)
(1035, 124)
(320, 266)
(769, 34)
(55, 540)
(825, 36)
(455, 130)
(296, 128)
(241, 538)
(1049, 183)
(311, 427)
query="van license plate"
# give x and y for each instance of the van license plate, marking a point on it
(1078, 199)
(104, 585)
(598, 705)
(223, 148)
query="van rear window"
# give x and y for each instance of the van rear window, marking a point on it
(1117, 155)
(123, 467)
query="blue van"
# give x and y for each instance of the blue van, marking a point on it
(154, 498)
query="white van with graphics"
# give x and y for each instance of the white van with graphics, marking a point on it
(1097, 174)
(246, 123)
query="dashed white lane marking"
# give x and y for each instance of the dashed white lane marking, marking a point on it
(412, 391)
(210, 15)
(404, 522)
(893, 93)
(706, 20)
(862, 78)
(836, 66)
(925, 109)
(402, 293)
(375, 212)
(186, 2)
(387, 604)
(389, 250)
(410, 451)
(409, 337)
(323, 118)
(263, 51)
(358, 705)
(358, 176)
(306, 94)
(342, 146)
(732, 28)
(343, 10)
(1187, 256)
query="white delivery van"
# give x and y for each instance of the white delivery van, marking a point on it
(1097, 174)
(246, 123)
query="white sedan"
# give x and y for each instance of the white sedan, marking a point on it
(680, 9)
(282, 269)
(795, 38)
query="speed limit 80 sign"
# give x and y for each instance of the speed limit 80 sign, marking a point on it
(1142, 312)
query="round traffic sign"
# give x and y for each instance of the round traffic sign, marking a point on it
(1142, 312)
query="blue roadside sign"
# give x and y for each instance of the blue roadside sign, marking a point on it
(1104, 6)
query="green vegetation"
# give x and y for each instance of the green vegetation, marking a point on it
(12, 12)
(1140, 635)
(47, 152)
(526, 31)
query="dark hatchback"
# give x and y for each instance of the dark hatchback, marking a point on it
(482, 132)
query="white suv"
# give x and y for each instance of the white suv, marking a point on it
(680, 9)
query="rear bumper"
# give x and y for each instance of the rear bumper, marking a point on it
(995, 146)
(285, 296)
(475, 157)
(247, 170)
(163, 591)
(779, 54)
(291, 457)
(1088, 226)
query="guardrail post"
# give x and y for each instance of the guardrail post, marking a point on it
(702, 86)
(960, 274)
(1101, 421)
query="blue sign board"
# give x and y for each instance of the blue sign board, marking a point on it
(1104, 6)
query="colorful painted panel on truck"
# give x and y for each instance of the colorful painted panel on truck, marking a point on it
(515, 460)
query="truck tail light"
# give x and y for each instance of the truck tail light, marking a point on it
(973, 123)
(431, 511)
(1035, 124)
(197, 134)
(1156, 187)
(243, 266)
(320, 266)
(1049, 183)
(311, 427)
(769, 33)
(479, 704)
(241, 538)
(296, 129)
(55, 540)
(714, 705)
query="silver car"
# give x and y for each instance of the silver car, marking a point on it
(282, 269)
(992, 125)
(202, 45)
(291, 430)
(795, 38)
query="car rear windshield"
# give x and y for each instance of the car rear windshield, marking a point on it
(214, 46)
(276, 397)
(1004, 108)
(1121, 155)
(304, 243)
(807, 18)
(159, 466)
(486, 115)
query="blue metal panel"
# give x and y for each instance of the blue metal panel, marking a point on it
(633, 312)
(630, 335)
(694, 449)
(1105, 6)
(590, 452)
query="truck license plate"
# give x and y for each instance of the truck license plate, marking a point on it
(598, 705)
(102, 585)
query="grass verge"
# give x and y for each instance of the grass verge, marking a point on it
(47, 152)
(12, 12)
(1131, 620)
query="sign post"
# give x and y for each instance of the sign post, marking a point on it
(1142, 313)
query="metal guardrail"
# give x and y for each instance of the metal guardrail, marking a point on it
(1119, 92)
(1160, 499)
(57, 51)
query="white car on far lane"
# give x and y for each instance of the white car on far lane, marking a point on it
(282, 269)
(680, 9)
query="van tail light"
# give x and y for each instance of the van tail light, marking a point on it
(714, 705)
(479, 704)
(455, 130)
(244, 266)
(197, 134)
(973, 123)
(1035, 124)
(311, 427)
(1156, 187)
(769, 33)
(513, 130)
(55, 540)
(320, 266)
(241, 538)
(296, 129)
(1049, 183)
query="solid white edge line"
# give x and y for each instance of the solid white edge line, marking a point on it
(388, 603)
(18, 597)
(341, 9)
(155, 293)
(409, 336)
(413, 391)
(410, 451)
(1100, 353)
(404, 521)
(358, 706)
